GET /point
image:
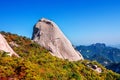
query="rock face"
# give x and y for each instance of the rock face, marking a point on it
(5, 47)
(47, 34)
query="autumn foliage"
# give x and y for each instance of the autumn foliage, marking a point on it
(35, 63)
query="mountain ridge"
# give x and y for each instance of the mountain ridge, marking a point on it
(106, 55)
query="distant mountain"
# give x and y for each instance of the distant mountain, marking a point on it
(101, 53)
(114, 66)
(116, 46)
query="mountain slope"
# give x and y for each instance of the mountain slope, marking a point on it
(35, 63)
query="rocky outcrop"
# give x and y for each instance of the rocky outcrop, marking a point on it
(13, 44)
(47, 34)
(94, 67)
(4, 46)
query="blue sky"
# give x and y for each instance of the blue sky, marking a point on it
(82, 21)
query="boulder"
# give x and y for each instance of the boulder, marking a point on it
(48, 35)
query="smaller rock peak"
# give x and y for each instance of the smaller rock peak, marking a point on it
(4, 46)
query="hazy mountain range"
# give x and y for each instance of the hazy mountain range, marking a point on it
(115, 46)
(106, 55)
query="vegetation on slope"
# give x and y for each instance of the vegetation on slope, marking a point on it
(36, 63)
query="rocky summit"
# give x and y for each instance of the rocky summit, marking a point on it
(47, 34)
(4, 46)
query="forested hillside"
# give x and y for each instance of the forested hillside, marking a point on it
(35, 63)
